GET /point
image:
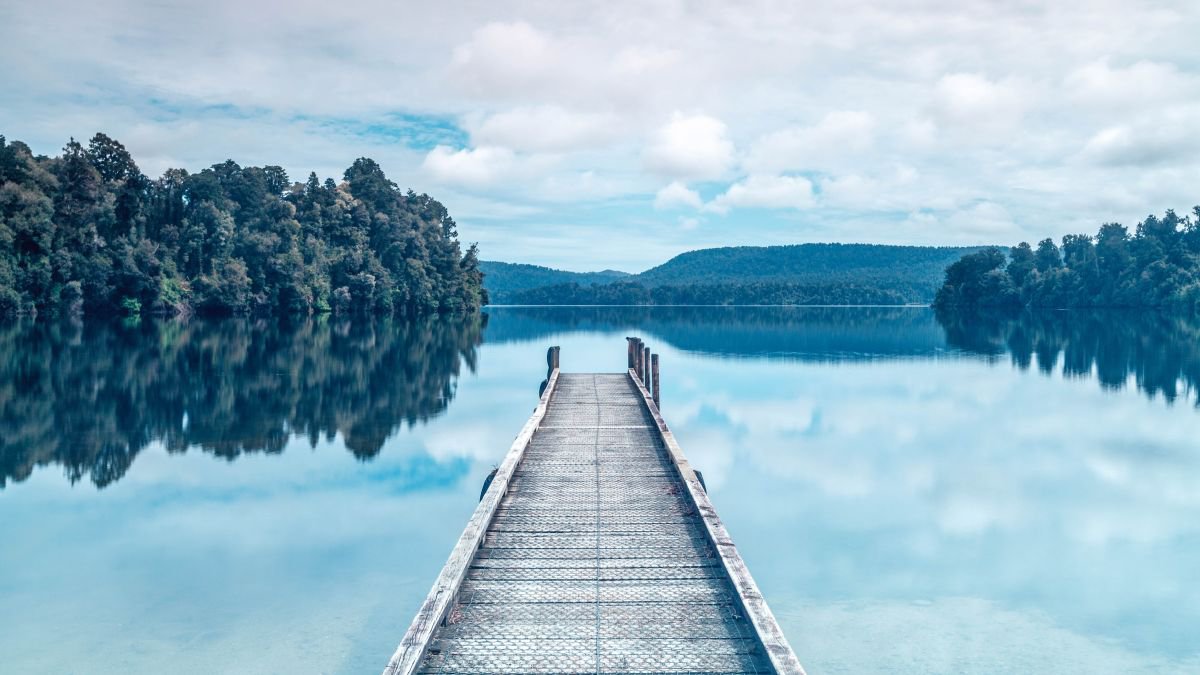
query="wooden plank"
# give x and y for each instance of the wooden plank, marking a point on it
(780, 653)
(412, 647)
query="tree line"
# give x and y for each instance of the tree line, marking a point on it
(1158, 265)
(87, 231)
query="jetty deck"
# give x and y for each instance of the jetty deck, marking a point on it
(595, 550)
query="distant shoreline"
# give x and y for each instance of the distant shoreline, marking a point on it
(925, 305)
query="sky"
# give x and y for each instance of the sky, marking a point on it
(615, 134)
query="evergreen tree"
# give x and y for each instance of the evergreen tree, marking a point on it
(88, 231)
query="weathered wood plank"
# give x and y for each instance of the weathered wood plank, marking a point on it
(412, 647)
(780, 653)
(595, 549)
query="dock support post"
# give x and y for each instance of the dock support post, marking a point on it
(654, 377)
(646, 366)
(637, 357)
(629, 352)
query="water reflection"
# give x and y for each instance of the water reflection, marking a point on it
(92, 396)
(817, 334)
(1160, 351)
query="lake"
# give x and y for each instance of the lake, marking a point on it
(913, 493)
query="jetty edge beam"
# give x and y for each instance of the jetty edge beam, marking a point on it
(423, 638)
(436, 605)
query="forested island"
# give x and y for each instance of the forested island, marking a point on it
(1157, 266)
(88, 232)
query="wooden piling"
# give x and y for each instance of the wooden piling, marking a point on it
(654, 377)
(646, 366)
(637, 357)
(643, 367)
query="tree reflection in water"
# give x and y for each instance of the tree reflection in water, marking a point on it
(91, 396)
(1161, 351)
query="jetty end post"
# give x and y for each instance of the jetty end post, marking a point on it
(637, 357)
(654, 377)
(643, 366)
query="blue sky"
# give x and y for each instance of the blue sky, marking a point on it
(615, 134)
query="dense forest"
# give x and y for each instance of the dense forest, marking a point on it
(87, 231)
(504, 280)
(92, 395)
(808, 263)
(1157, 266)
(803, 274)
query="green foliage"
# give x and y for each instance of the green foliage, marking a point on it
(131, 306)
(1159, 266)
(229, 239)
(505, 280)
(804, 274)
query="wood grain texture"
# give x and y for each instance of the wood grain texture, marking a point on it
(414, 643)
(780, 653)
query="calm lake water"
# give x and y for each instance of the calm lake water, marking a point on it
(913, 495)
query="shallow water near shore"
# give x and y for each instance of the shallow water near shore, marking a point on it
(912, 493)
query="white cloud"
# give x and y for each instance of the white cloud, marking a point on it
(986, 222)
(568, 115)
(838, 137)
(775, 192)
(543, 129)
(502, 57)
(974, 101)
(675, 195)
(1136, 86)
(1166, 139)
(690, 146)
(468, 167)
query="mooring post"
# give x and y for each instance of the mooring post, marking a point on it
(646, 369)
(629, 352)
(641, 357)
(557, 357)
(637, 357)
(654, 377)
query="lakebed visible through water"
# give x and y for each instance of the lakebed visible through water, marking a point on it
(913, 494)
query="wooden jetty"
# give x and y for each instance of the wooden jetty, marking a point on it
(595, 549)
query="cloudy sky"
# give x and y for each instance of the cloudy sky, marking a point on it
(615, 134)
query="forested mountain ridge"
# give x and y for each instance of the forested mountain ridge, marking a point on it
(801, 274)
(805, 263)
(87, 231)
(503, 280)
(1156, 266)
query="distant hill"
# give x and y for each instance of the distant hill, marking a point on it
(503, 280)
(807, 263)
(797, 274)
